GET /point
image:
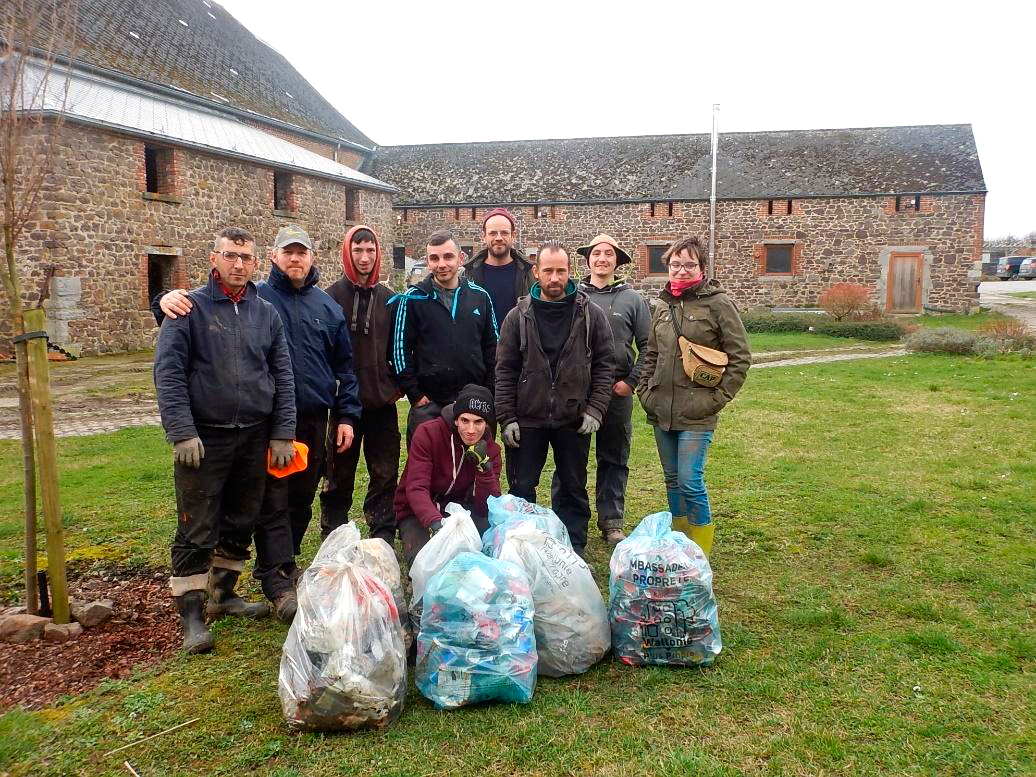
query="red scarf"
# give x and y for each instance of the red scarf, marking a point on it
(677, 288)
(233, 296)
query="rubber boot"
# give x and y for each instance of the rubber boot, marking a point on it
(682, 523)
(223, 600)
(196, 636)
(703, 535)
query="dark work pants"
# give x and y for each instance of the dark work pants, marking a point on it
(415, 536)
(378, 432)
(218, 503)
(418, 415)
(288, 504)
(612, 450)
(571, 453)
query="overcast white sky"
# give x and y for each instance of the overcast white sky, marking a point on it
(460, 71)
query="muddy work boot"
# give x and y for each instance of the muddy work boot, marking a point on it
(285, 605)
(279, 589)
(196, 636)
(223, 600)
(613, 536)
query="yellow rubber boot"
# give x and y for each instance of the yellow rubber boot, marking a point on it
(703, 535)
(682, 523)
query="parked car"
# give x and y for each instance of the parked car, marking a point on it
(1008, 267)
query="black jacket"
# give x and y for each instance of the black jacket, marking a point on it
(226, 364)
(523, 278)
(370, 328)
(630, 318)
(319, 344)
(527, 391)
(435, 352)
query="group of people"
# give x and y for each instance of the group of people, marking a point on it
(265, 389)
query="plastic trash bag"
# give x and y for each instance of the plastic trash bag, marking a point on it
(571, 623)
(343, 665)
(662, 609)
(508, 511)
(476, 641)
(378, 558)
(457, 535)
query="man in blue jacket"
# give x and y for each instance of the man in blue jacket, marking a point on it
(321, 356)
(225, 392)
(444, 335)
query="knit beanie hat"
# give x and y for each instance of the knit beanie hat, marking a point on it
(499, 212)
(477, 400)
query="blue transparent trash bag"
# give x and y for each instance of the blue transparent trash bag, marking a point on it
(509, 511)
(571, 623)
(662, 609)
(476, 641)
(457, 535)
(343, 664)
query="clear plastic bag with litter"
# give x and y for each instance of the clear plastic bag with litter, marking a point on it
(509, 511)
(662, 609)
(476, 641)
(343, 665)
(457, 535)
(571, 623)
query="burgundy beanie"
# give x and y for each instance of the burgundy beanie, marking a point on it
(499, 212)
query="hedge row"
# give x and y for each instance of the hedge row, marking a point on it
(825, 325)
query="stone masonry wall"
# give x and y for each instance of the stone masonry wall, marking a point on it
(833, 239)
(97, 224)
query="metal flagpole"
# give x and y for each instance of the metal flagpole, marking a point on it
(712, 198)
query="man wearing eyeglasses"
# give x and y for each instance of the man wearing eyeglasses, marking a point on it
(321, 355)
(225, 393)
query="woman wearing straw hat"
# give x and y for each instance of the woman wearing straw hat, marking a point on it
(697, 359)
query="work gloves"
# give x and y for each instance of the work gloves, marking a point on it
(512, 435)
(281, 453)
(589, 425)
(433, 527)
(189, 452)
(477, 453)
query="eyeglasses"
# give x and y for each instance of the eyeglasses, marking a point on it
(681, 267)
(233, 256)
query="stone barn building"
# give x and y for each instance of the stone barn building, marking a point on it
(180, 122)
(898, 209)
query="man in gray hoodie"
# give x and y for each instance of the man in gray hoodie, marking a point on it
(630, 320)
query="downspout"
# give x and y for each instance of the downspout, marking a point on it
(712, 197)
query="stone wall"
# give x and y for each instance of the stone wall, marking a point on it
(833, 240)
(97, 224)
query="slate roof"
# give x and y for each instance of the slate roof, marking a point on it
(794, 163)
(209, 54)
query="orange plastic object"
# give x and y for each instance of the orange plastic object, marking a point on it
(297, 464)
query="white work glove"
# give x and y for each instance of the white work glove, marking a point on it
(589, 425)
(512, 436)
(189, 452)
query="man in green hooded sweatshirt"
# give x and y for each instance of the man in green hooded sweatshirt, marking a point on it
(556, 350)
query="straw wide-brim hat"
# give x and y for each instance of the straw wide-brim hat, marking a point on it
(621, 256)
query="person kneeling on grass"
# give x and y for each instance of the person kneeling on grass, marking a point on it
(453, 458)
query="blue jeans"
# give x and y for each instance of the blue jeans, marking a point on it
(682, 454)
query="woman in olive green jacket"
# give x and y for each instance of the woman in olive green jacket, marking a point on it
(682, 412)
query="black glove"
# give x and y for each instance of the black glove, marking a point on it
(433, 527)
(478, 454)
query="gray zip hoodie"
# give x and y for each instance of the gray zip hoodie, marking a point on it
(628, 313)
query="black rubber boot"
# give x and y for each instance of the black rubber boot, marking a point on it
(196, 636)
(223, 600)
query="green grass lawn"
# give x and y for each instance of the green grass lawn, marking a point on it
(1023, 294)
(970, 321)
(875, 568)
(765, 342)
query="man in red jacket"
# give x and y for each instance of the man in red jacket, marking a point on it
(453, 458)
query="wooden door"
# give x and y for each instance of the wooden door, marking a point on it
(906, 274)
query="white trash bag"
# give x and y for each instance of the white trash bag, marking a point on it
(571, 621)
(343, 665)
(457, 535)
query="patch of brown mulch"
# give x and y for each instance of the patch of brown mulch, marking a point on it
(143, 630)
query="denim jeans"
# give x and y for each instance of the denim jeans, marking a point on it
(683, 456)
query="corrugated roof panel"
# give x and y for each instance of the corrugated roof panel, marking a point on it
(98, 100)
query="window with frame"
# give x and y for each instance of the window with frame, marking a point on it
(908, 202)
(656, 264)
(399, 257)
(282, 199)
(778, 208)
(160, 268)
(778, 258)
(543, 211)
(350, 204)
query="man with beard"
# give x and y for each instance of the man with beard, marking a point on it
(364, 302)
(445, 334)
(556, 351)
(499, 268)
